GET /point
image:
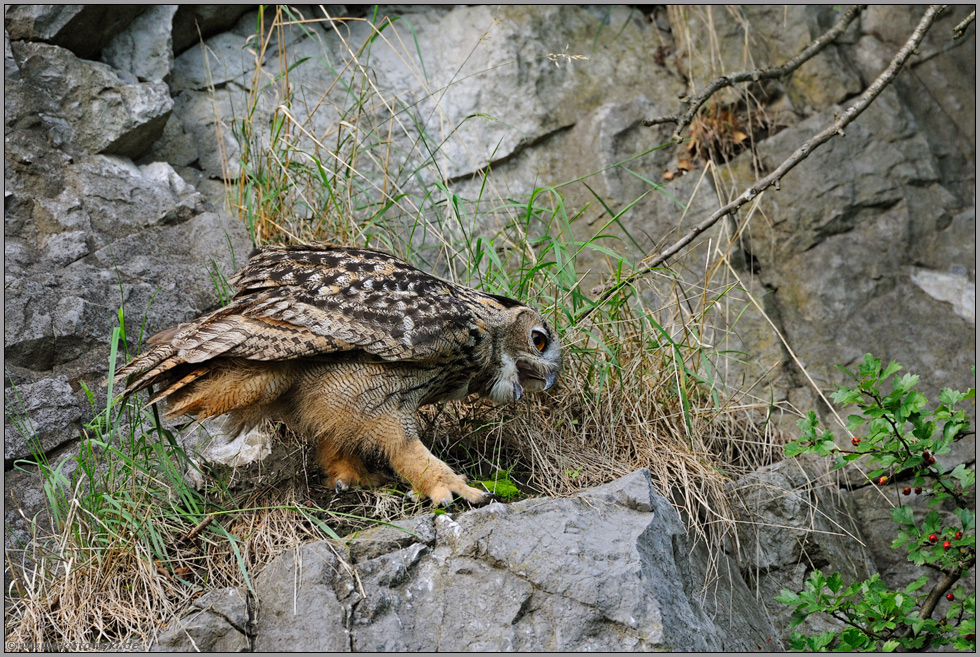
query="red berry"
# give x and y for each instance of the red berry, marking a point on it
(925, 454)
(947, 545)
(882, 480)
(949, 596)
(906, 491)
(918, 490)
(970, 637)
(959, 535)
(855, 441)
(931, 460)
(933, 538)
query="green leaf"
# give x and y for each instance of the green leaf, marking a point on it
(797, 642)
(844, 396)
(787, 597)
(964, 475)
(950, 397)
(891, 369)
(906, 382)
(967, 518)
(917, 584)
(834, 582)
(795, 448)
(950, 429)
(870, 367)
(822, 640)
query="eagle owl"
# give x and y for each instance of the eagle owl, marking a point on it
(344, 345)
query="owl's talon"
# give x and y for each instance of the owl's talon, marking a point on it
(340, 486)
(441, 498)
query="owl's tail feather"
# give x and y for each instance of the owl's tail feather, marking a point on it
(180, 383)
(149, 368)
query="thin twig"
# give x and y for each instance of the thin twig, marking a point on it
(960, 30)
(192, 534)
(779, 72)
(651, 262)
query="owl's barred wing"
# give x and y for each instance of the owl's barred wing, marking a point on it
(358, 299)
(301, 301)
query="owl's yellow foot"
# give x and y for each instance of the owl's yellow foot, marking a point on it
(430, 477)
(442, 495)
(342, 483)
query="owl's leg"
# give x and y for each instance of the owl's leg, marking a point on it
(428, 475)
(341, 470)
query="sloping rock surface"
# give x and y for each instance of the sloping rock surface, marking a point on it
(611, 569)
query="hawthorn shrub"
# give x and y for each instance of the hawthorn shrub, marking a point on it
(901, 439)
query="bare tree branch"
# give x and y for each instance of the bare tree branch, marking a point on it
(651, 262)
(732, 79)
(943, 585)
(960, 30)
(932, 600)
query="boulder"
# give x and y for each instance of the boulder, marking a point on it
(115, 247)
(871, 255)
(751, 37)
(39, 417)
(218, 623)
(610, 569)
(82, 29)
(192, 23)
(87, 107)
(794, 519)
(297, 592)
(144, 49)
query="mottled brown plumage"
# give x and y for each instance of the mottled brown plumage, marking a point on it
(344, 345)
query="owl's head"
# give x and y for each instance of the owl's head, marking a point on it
(530, 356)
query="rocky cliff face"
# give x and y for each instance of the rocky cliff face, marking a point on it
(114, 175)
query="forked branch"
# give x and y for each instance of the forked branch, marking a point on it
(776, 73)
(960, 30)
(653, 261)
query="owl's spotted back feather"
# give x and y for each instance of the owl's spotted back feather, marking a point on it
(415, 339)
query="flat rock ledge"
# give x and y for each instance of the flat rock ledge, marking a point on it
(610, 569)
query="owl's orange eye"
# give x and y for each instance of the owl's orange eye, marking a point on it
(540, 340)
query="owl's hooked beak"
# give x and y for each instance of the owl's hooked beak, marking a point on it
(533, 383)
(550, 380)
(516, 377)
(534, 379)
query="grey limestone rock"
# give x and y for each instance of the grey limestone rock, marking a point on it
(87, 107)
(39, 417)
(794, 518)
(217, 623)
(191, 23)
(82, 29)
(145, 48)
(610, 569)
(297, 604)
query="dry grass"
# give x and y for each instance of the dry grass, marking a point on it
(636, 390)
(99, 585)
